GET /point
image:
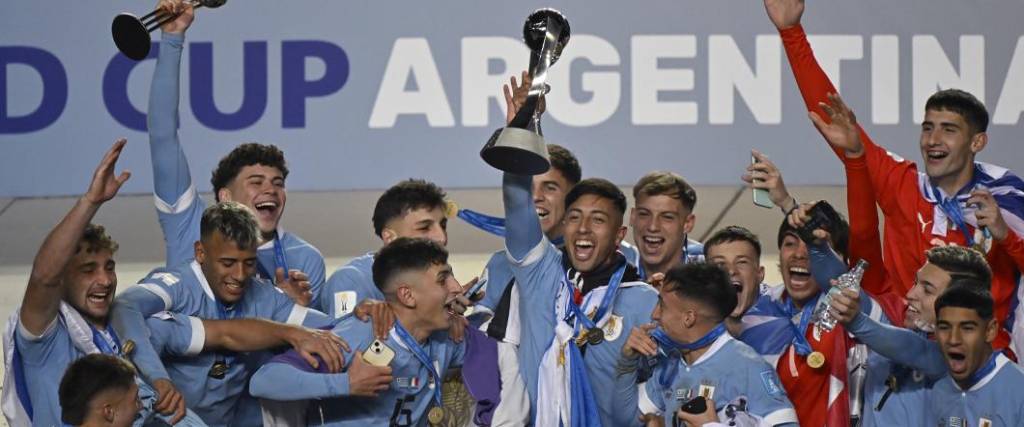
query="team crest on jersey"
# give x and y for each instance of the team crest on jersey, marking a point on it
(706, 390)
(344, 303)
(984, 422)
(169, 279)
(613, 328)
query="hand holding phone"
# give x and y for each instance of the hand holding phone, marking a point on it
(378, 354)
(761, 196)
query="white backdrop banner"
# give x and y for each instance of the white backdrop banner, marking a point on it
(363, 93)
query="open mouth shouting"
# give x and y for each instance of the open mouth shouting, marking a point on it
(652, 244)
(542, 213)
(935, 156)
(799, 277)
(267, 210)
(737, 286)
(583, 250)
(957, 362)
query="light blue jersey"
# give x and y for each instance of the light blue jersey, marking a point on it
(44, 359)
(184, 290)
(994, 401)
(348, 286)
(729, 372)
(405, 403)
(178, 205)
(540, 275)
(692, 252)
(501, 300)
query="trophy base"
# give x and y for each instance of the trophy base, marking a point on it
(517, 151)
(131, 36)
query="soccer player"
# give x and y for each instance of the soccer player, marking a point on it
(808, 360)
(983, 386)
(99, 390)
(697, 357)
(596, 293)
(953, 200)
(737, 251)
(904, 363)
(252, 174)
(219, 283)
(662, 221)
(414, 276)
(410, 208)
(64, 314)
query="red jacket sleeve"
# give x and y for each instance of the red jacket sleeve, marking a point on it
(865, 239)
(897, 176)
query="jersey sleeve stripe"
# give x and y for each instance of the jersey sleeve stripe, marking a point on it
(179, 206)
(782, 416)
(298, 315)
(531, 257)
(158, 291)
(198, 339)
(647, 406)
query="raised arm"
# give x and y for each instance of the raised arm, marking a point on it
(523, 227)
(170, 168)
(178, 205)
(45, 285)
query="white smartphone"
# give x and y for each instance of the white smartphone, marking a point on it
(378, 354)
(761, 197)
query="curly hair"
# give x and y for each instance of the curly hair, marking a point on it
(246, 155)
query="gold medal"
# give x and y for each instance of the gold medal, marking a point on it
(816, 360)
(128, 348)
(436, 415)
(218, 370)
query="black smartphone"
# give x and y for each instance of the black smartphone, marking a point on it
(822, 216)
(697, 405)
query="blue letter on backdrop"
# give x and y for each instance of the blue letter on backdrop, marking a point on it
(294, 86)
(115, 90)
(55, 89)
(254, 88)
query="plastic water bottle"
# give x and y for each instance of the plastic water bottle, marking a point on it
(823, 316)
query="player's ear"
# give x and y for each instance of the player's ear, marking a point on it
(405, 296)
(224, 195)
(200, 252)
(388, 235)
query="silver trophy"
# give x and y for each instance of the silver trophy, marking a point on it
(131, 33)
(519, 147)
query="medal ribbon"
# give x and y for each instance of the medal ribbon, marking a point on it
(112, 346)
(800, 343)
(421, 355)
(279, 261)
(671, 347)
(574, 310)
(985, 370)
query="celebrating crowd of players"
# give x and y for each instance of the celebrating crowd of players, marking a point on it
(571, 325)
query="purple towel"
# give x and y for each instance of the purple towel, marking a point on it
(481, 375)
(293, 358)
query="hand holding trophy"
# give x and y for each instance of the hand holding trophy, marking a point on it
(131, 33)
(519, 147)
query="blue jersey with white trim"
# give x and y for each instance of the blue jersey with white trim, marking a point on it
(994, 401)
(539, 276)
(178, 204)
(405, 402)
(184, 290)
(727, 372)
(348, 286)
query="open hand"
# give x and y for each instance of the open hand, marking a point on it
(105, 184)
